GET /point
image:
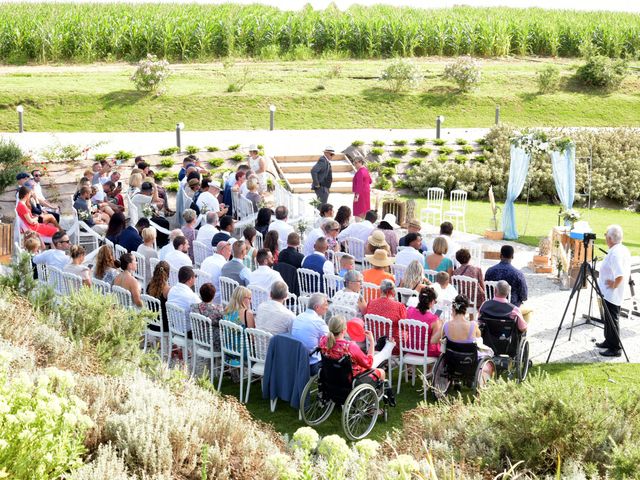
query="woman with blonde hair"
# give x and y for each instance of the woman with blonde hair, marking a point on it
(189, 228)
(253, 195)
(106, 266)
(135, 182)
(413, 278)
(437, 260)
(335, 346)
(239, 308)
(147, 249)
(77, 254)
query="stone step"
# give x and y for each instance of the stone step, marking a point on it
(295, 178)
(306, 158)
(299, 167)
(336, 187)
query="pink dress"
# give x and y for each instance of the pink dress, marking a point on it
(362, 187)
(433, 350)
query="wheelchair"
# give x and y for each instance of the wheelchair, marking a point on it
(459, 365)
(360, 397)
(510, 346)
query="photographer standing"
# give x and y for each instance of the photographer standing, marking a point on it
(614, 275)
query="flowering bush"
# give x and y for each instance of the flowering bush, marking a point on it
(42, 424)
(401, 75)
(465, 72)
(151, 74)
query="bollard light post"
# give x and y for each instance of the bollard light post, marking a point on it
(272, 114)
(439, 122)
(20, 110)
(179, 127)
(497, 114)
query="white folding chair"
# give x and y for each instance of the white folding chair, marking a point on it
(291, 303)
(112, 246)
(258, 296)
(404, 294)
(173, 276)
(490, 289)
(365, 265)
(72, 282)
(120, 250)
(202, 277)
(308, 281)
(202, 331)
(176, 317)
(257, 343)
(232, 350)
(100, 286)
(141, 270)
(153, 263)
(430, 275)
(414, 342)
(355, 248)
(259, 241)
(475, 250)
(43, 272)
(457, 208)
(303, 303)
(433, 210)
(56, 280)
(227, 286)
(82, 234)
(398, 272)
(123, 296)
(153, 305)
(332, 283)
(370, 291)
(380, 326)
(336, 260)
(468, 287)
(200, 252)
(341, 309)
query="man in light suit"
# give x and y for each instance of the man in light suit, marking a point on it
(321, 175)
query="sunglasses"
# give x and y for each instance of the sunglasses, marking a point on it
(37, 175)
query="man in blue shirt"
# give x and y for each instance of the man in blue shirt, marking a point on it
(130, 238)
(507, 272)
(309, 327)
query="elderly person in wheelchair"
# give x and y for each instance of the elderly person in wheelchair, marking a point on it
(504, 330)
(347, 379)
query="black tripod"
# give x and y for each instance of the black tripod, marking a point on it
(586, 274)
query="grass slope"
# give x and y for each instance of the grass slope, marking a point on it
(308, 94)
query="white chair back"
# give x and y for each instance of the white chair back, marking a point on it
(123, 296)
(308, 281)
(153, 262)
(332, 283)
(141, 270)
(398, 272)
(490, 289)
(227, 286)
(378, 325)
(176, 317)
(404, 294)
(457, 208)
(134, 214)
(430, 275)
(258, 296)
(56, 280)
(231, 339)
(468, 287)
(100, 286)
(200, 252)
(202, 332)
(110, 244)
(414, 337)
(303, 303)
(173, 276)
(432, 213)
(259, 241)
(119, 251)
(292, 303)
(202, 277)
(43, 273)
(257, 345)
(370, 291)
(73, 282)
(341, 309)
(153, 305)
(355, 248)
(476, 252)
(336, 260)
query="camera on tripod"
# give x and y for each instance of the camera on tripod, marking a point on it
(588, 237)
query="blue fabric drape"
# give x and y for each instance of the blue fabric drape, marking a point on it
(564, 175)
(518, 171)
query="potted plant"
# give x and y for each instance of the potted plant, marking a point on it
(544, 252)
(493, 233)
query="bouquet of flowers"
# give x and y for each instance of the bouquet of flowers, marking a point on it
(147, 211)
(204, 209)
(570, 216)
(84, 215)
(303, 226)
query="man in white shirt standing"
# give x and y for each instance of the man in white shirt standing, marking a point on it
(213, 265)
(281, 226)
(360, 230)
(615, 271)
(179, 256)
(208, 230)
(272, 316)
(264, 276)
(182, 294)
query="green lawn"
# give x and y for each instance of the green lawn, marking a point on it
(536, 220)
(615, 377)
(308, 94)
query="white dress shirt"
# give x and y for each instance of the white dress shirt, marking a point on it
(283, 229)
(448, 294)
(53, 257)
(208, 199)
(274, 317)
(309, 328)
(206, 233)
(408, 255)
(616, 264)
(310, 241)
(212, 266)
(264, 276)
(184, 297)
(359, 230)
(178, 259)
(164, 251)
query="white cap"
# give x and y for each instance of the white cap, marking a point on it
(253, 148)
(329, 149)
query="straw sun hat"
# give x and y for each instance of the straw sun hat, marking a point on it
(380, 259)
(377, 239)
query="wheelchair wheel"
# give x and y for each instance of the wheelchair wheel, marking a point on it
(360, 412)
(440, 382)
(485, 372)
(522, 362)
(313, 408)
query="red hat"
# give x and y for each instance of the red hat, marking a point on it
(355, 329)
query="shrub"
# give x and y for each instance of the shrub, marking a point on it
(378, 143)
(161, 175)
(166, 152)
(19, 278)
(151, 74)
(172, 187)
(373, 166)
(237, 77)
(191, 149)
(423, 151)
(400, 143)
(167, 162)
(461, 141)
(211, 148)
(480, 158)
(414, 162)
(400, 184)
(123, 155)
(101, 156)
(443, 158)
(439, 141)
(420, 141)
(357, 143)
(235, 146)
(11, 162)
(392, 162)
(548, 79)
(465, 72)
(461, 158)
(445, 151)
(401, 75)
(377, 151)
(216, 162)
(467, 149)
(401, 151)
(387, 171)
(602, 72)
(238, 157)
(382, 183)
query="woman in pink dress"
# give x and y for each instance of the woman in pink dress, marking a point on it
(361, 189)
(23, 210)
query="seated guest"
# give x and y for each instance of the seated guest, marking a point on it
(359, 230)
(443, 288)
(380, 263)
(208, 198)
(106, 267)
(99, 200)
(113, 196)
(343, 217)
(264, 276)
(187, 161)
(388, 226)
(500, 307)
(23, 211)
(387, 306)
(56, 256)
(238, 310)
(263, 220)
(326, 212)
(350, 295)
(189, 229)
(376, 241)
(126, 279)
(159, 288)
(39, 195)
(37, 210)
(331, 228)
(466, 269)
(413, 278)
(309, 327)
(249, 234)
(312, 236)
(117, 224)
(212, 265)
(207, 231)
(411, 252)
(77, 254)
(438, 260)
(235, 268)
(271, 242)
(414, 226)
(252, 195)
(164, 251)
(210, 310)
(272, 316)
(317, 261)
(226, 227)
(507, 272)
(291, 255)
(281, 226)
(130, 237)
(182, 294)
(423, 312)
(178, 257)
(446, 233)
(147, 249)
(347, 262)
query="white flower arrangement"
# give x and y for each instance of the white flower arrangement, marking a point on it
(84, 215)
(570, 216)
(147, 211)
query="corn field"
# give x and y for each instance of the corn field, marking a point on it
(109, 32)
